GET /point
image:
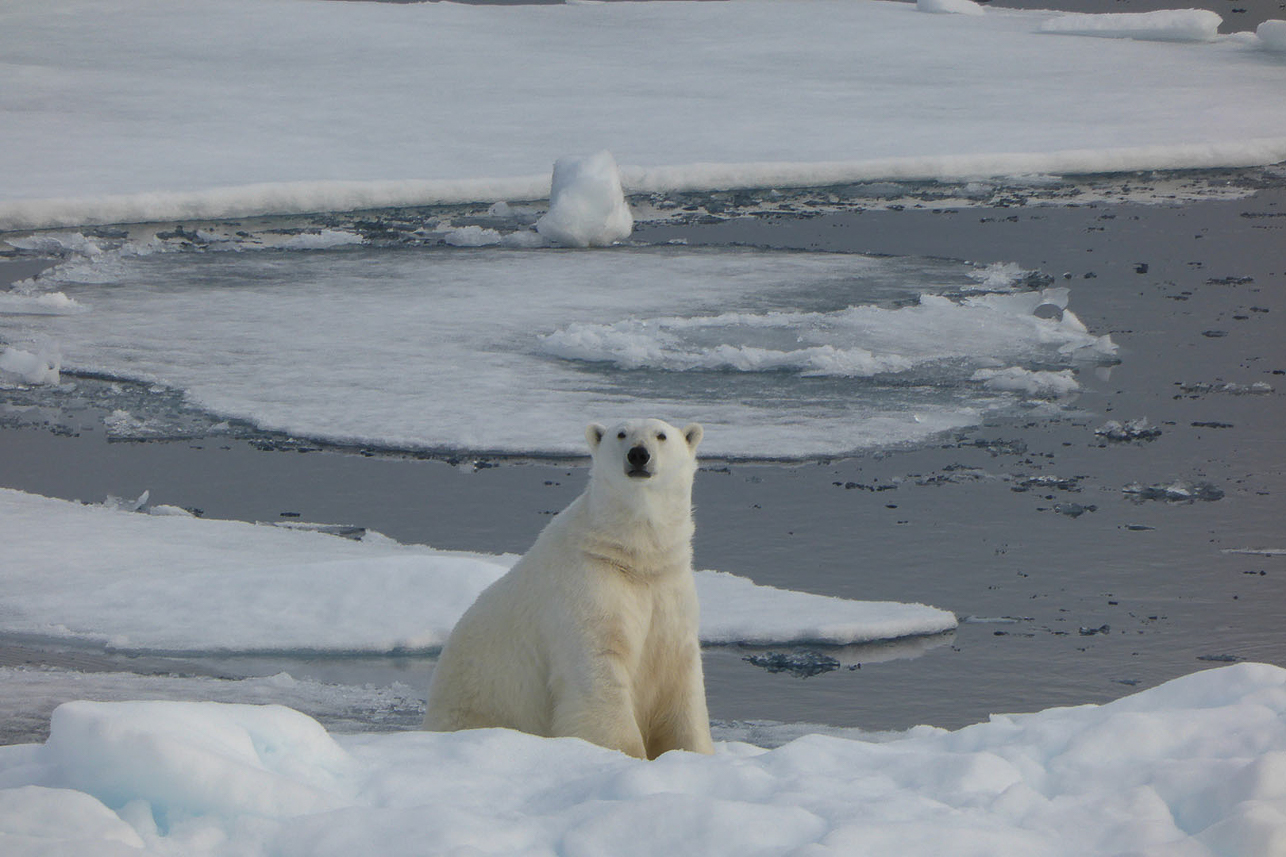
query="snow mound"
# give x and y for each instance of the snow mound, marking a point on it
(1166, 25)
(950, 7)
(172, 583)
(1272, 35)
(27, 368)
(1195, 766)
(586, 203)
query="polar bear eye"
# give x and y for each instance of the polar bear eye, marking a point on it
(621, 435)
(660, 435)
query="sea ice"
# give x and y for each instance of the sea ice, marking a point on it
(1033, 383)
(586, 204)
(455, 105)
(1196, 766)
(27, 368)
(104, 576)
(878, 350)
(1272, 35)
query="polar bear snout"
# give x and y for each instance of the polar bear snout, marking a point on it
(636, 462)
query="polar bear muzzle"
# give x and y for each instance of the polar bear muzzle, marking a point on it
(636, 461)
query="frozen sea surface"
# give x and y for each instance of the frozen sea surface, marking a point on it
(780, 354)
(144, 109)
(169, 582)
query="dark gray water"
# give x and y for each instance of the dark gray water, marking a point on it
(1041, 523)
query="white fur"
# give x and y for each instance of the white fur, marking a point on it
(593, 633)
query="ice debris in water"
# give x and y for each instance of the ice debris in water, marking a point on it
(801, 663)
(1139, 429)
(24, 367)
(123, 504)
(1179, 491)
(586, 203)
(22, 302)
(1258, 388)
(1015, 379)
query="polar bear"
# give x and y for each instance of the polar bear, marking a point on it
(593, 633)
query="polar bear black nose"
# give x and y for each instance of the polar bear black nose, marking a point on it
(637, 456)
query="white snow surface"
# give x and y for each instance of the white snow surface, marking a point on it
(139, 110)
(499, 349)
(1193, 768)
(1272, 35)
(1165, 25)
(586, 203)
(168, 583)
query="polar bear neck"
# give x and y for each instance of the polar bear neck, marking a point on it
(642, 535)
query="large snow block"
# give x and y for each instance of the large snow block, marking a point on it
(586, 203)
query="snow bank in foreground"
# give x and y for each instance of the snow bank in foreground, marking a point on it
(1166, 25)
(1194, 767)
(147, 583)
(226, 134)
(586, 204)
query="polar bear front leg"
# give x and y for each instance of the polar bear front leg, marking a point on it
(683, 720)
(599, 708)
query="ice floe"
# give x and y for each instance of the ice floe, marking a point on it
(505, 349)
(105, 576)
(261, 115)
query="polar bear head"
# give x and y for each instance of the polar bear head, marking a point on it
(648, 453)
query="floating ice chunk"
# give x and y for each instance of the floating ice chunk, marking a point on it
(1001, 277)
(586, 204)
(472, 236)
(1167, 25)
(57, 244)
(1139, 429)
(950, 7)
(1034, 383)
(1179, 491)
(49, 303)
(124, 504)
(1272, 35)
(28, 368)
(326, 239)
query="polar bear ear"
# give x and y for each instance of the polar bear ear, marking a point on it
(594, 435)
(693, 432)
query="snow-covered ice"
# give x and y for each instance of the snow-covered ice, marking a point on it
(587, 206)
(1165, 25)
(17, 365)
(136, 582)
(509, 350)
(140, 110)
(1272, 35)
(1193, 768)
